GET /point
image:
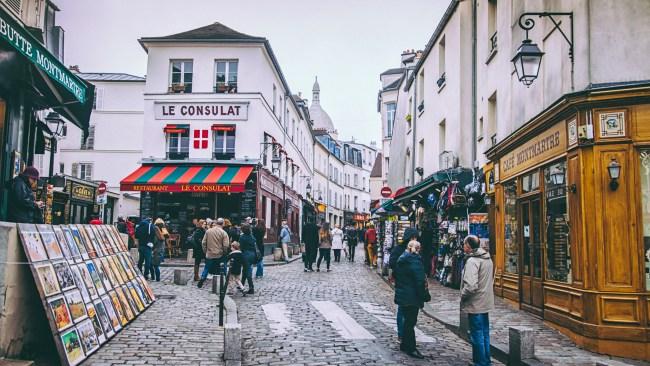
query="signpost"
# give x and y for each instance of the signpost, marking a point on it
(386, 192)
(102, 196)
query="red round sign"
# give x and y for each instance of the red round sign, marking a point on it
(102, 188)
(386, 192)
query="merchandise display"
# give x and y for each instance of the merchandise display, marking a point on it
(87, 282)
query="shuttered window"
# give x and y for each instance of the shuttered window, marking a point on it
(89, 143)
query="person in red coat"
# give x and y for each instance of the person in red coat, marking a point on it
(371, 242)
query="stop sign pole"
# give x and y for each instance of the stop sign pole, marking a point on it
(101, 190)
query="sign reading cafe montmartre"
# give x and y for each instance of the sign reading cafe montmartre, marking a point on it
(201, 110)
(26, 44)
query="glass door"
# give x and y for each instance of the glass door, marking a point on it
(531, 254)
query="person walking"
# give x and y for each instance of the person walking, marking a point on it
(146, 235)
(159, 248)
(232, 231)
(371, 240)
(237, 265)
(216, 245)
(249, 250)
(324, 246)
(130, 229)
(23, 207)
(361, 234)
(337, 242)
(121, 225)
(477, 298)
(197, 252)
(95, 220)
(285, 239)
(310, 237)
(395, 254)
(410, 295)
(352, 243)
(259, 232)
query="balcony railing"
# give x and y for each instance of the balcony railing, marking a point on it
(223, 155)
(493, 42)
(180, 88)
(442, 80)
(178, 155)
(226, 88)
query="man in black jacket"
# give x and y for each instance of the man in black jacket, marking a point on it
(310, 237)
(22, 205)
(395, 253)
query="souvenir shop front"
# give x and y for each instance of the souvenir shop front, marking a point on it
(571, 205)
(179, 193)
(277, 202)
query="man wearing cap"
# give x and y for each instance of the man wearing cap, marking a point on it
(216, 245)
(22, 205)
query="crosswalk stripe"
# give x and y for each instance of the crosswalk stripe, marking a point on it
(389, 319)
(278, 318)
(347, 327)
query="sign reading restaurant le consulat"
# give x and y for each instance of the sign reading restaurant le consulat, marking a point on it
(207, 188)
(538, 149)
(201, 110)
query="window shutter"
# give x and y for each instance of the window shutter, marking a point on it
(15, 6)
(90, 142)
(89, 172)
(75, 170)
(99, 99)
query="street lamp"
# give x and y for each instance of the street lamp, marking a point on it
(614, 170)
(56, 120)
(528, 58)
(276, 160)
(557, 176)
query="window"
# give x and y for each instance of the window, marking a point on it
(356, 202)
(558, 249)
(62, 168)
(181, 76)
(364, 184)
(530, 182)
(82, 171)
(64, 131)
(644, 158)
(226, 76)
(510, 234)
(89, 142)
(421, 92)
(356, 180)
(420, 161)
(441, 60)
(492, 119)
(275, 96)
(492, 25)
(224, 142)
(178, 145)
(442, 137)
(479, 132)
(98, 100)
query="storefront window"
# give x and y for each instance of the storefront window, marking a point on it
(645, 211)
(530, 182)
(558, 248)
(511, 243)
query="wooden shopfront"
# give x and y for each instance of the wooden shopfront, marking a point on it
(573, 244)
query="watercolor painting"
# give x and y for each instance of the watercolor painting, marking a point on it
(63, 243)
(117, 304)
(101, 271)
(88, 281)
(104, 319)
(128, 310)
(47, 279)
(76, 305)
(79, 241)
(136, 297)
(32, 241)
(50, 242)
(64, 275)
(79, 283)
(88, 337)
(72, 244)
(94, 320)
(72, 345)
(112, 314)
(60, 313)
(93, 251)
(95, 276)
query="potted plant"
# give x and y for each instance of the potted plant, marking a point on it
(408, 117)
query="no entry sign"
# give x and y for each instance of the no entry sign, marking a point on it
(102, 188)
(386, 192)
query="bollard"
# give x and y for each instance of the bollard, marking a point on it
(232, 342)
(215, 286)
(277, 254)
(135, 255)
(181, 277)
(190, 255)
(521, 345)
(302, 247)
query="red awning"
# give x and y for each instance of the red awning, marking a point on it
(227, 128)
(170, 128)
(187, 178)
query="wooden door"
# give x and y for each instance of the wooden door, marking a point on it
(531, 294)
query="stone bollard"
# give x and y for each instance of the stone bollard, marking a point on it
(215, 284)
(135, 255)
(190, 254)
(232, 342)
(277, 254)
(181, 277)
(521, 345)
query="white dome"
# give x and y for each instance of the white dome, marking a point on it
(322, 120)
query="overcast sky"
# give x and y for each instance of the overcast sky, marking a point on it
(347, 43)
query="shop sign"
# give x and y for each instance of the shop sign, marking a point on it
(538, 149)
(321, 207)
(26, 44)
(201, 111)
(359, 217)
(271, 187)
(82, 192)
(184, 188)
(102, 199)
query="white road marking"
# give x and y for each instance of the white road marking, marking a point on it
(341, 321)
(390, 320)
(278, 317)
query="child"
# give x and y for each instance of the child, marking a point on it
(237, 262)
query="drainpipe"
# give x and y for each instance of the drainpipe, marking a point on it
(474, 91)
(413, 128)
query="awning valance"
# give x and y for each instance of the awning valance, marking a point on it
(175, 128)
(187, 178)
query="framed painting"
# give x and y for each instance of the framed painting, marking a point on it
(47, 279)
(34, 248)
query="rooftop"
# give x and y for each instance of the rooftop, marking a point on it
(213, 32)
(398, 70)
(109, 76)
(376, 168)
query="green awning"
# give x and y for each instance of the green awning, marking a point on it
(462, 175)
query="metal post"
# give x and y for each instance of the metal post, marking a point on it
(222, 295)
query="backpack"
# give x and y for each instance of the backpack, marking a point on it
(143, 233)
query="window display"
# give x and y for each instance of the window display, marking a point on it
(645, 211)
(558, 249)
(510, 234)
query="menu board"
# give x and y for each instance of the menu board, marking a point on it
(87, 282)
(248, 203)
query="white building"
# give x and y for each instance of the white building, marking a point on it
(215, 105)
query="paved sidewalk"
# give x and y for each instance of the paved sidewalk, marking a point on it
(182, 262)
(180, 328)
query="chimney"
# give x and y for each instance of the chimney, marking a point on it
(74, 68)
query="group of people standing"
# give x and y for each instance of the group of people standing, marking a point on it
(152, 240)
(321, 241)
(411, 292)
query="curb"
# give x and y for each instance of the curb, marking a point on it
(282, 263)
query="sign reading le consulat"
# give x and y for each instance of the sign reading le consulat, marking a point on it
(26, 44)
(540, 148)
(200, 110)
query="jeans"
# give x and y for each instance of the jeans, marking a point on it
(249, 257)
(337, 255)
(479, 331)
(410, 319)
(259, 272)
(211, 263)
(323, 253)
(155, 272)
(351, 249)
(145, 258)
(400, 322)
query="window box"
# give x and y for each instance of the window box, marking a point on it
(176, 88)
(178, 155)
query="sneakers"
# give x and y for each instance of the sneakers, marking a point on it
(317, 269)
(250, 291)
(329, 270)
(306, 270)
(200, 284)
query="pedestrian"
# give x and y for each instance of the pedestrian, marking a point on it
(196, 239)
(23, 206)
(146, 235)
(395, 254)
(352, 243)
(216, 245)
(130, 229)
(324, 246)
(310, 237)
(477, 298)
(121, 225)
(232, 231)
(337, 242)
(237, 264)
(259, 232)
(361, 234)
(371, 241)
(285, 239)
(95, 220)
(159, 248)
(410, 295)
(249, 250)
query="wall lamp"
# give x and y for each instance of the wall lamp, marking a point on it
(528, 58)
(614, 170)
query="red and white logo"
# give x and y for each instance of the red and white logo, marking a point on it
(201, 139)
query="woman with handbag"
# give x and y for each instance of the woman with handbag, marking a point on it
(196, 239)
(249, 250)
(159, 248)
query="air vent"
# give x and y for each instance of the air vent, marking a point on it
(14, 6)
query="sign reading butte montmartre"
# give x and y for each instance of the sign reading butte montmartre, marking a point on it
(546, 145)
(201, 111)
